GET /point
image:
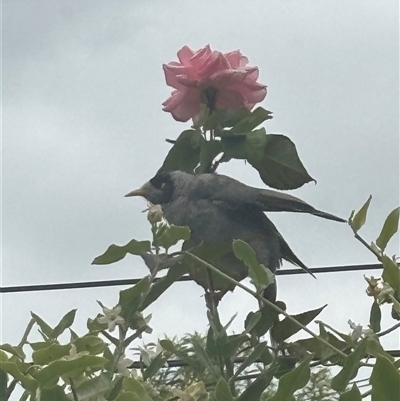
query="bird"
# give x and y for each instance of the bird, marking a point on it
(219, 209)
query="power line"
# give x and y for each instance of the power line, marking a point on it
(112, 283)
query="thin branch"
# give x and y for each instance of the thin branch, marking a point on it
(266, 302)
(73, 390)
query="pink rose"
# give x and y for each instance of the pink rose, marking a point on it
(219, 80)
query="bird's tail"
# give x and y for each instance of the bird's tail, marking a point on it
(327, 216)
(290, 256)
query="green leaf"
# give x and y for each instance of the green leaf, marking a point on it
(114, 253)
(160, 286)
(352, 395)
(53, 352)
(232, 344)
(276, 160)
(234, 147)
(350, 368)
(375, 348)
(222, 392)
(17, 351)
(46, 329)
(58, 368)
(27, 382)
(89, 343)
(286, 328)
(116, 388)
(360, 217)
(256, 388)
(185, 153)
(385, 381)
(209, 151)
(292, 381)
(54, 393)
(64, 323)
(130, 396)
(255, 354)
(204, 358)
(253, 120)
(391, 273)
(130, 294)
(225, 118)
(260, 275)
(132, 385)
(3, 385)
(155, 365)
(168, 235)
(93, 387)
(389, 229)
(260, 322)
(375, 317)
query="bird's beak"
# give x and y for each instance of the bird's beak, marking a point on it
(137, 192)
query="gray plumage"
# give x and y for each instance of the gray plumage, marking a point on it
(218, 209)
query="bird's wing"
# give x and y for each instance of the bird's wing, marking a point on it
(222, 188)
(273, 201)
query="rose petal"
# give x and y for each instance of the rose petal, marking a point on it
(183, 105)
(236, 59)
(185, 54)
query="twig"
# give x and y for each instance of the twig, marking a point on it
(266, 302)
(365, 243)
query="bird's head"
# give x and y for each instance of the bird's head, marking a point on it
(157, 191)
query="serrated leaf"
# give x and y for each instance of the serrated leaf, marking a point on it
(53, 352)
(130, 384)
(352, 395)
(259, 274)
(389, 229)
(286, 328)
(350, 368)
(222, 392)
(375, 317)
(385, 381)
(279, 165)
(168, 235)
(185, 153)
(360, 217)
(46, 329)
(130, 294)
(292, 381)
(64, 323)
(114, 253)
(58, 368)
(391, 273)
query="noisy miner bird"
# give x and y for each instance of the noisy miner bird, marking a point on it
(219, 209)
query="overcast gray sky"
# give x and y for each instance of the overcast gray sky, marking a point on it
(83, 125)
